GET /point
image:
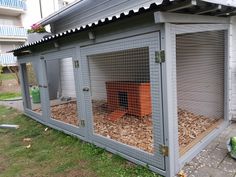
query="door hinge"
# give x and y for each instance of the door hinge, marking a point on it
(42, 86)
(164, 150)
(160, 56)
(82, 123)
(76, 63)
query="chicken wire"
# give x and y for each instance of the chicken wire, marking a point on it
(121, 98)
(200, 82)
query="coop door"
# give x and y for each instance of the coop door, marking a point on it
(122, 88)
(64, 110)
(32, 88)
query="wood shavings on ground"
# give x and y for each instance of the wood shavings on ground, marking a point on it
(182, 174)
(132, 130)
(192, 125)
(66, 112)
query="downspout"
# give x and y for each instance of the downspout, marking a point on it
(40, 8)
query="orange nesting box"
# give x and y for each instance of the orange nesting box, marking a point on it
(134, 97)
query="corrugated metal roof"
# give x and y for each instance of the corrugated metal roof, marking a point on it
(110, 19)
(84, 27)
(62, 12)
(80, 4)
(231, 3)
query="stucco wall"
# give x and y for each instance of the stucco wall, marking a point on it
(232, 62)
(10, 20)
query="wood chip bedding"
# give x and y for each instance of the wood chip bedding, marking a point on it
(132, 130)
(191, 126)
(66, 112)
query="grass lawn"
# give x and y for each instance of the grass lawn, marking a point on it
(7, 76)
(9, 95)
(53, 153)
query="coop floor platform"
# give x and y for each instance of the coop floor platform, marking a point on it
(136, 131)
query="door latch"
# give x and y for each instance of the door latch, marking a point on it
(76, 63)
(82, 123)
(85, 89)
(43, 86)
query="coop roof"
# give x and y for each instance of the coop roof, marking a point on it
(200, 7)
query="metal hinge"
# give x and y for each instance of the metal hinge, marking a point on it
(164, 150)
(160, 56)
(42, 86)
(82, 123)
(76, 63)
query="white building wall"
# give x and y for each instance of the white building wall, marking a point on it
(232, 56)
(10, 20)
(6, 46)
(67, 78)
(33, 10)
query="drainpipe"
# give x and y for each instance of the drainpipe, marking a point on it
(40, 8)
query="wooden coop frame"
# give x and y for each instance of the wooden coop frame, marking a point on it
(160, 36)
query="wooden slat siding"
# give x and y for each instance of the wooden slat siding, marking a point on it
(67, 78)
(200, 73)
(233, 68)
(93, 10)
(132, 66)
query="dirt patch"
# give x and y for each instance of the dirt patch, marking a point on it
(81, 171)
(78, 173)
(3, 163)
(132, 130)
(10, 86)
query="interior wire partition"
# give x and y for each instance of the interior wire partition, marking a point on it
(200, 83)
(121, 98)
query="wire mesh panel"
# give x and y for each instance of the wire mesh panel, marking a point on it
(121, 97)
(62, 90)
(122, 93)
(200, 83)
(32, 87)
